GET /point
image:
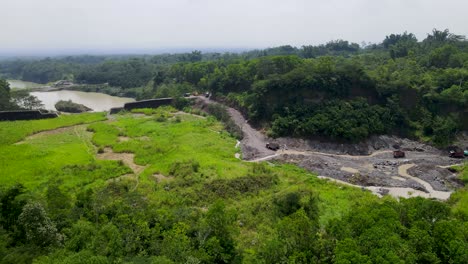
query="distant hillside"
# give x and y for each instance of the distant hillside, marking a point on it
(339, 90)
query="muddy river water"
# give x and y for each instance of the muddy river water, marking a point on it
(96, 101)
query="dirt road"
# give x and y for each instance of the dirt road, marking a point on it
(253, 143)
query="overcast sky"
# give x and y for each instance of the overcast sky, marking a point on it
(137, 25)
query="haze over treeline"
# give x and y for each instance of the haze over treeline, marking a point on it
(52, 27)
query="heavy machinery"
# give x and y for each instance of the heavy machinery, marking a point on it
(398, 154)
(273, 146)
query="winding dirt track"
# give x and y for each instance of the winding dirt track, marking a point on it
(401, 191)
(310, 153)
(404, 192)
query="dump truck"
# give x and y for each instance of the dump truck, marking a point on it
(398, 154)
(457, 154)
(273, 146)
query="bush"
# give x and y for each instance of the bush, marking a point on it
(161, 118)
(183, 169)
(221, 113)
(71, 107)
(242, 185)
(289, 202)
(180, 103)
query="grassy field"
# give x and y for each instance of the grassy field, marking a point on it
(459, 199)
(188, 163)
(64, 155)
(14, 131)
(158, 139)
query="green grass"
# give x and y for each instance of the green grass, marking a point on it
(14, 131)
(49, 156)
(196, 158)
(155, 111)
(158, 145)
(459, 199)
(70, 156)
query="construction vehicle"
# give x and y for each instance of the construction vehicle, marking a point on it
(457, 154)
(398, 154)
(273, 146)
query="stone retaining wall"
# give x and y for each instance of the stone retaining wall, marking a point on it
(152, 103)
(25, 115)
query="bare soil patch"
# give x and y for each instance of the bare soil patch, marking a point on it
(126, 158)
(51, 132)
(123, 139)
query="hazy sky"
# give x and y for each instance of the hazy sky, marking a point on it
(132, 25)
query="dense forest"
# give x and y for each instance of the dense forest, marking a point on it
(339, 90)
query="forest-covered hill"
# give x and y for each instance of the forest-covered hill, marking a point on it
(339, 90)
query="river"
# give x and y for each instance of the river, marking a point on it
(96, 101)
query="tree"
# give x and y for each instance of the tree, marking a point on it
(24, 100)
(58, 205)
(444, 130)
(37, 226)
(195, 56)
(299, 235)
(444, 57)
(440, 37)
(80, 236)
(11, 206)
(4, 95)
(176, 243)
(108, 241)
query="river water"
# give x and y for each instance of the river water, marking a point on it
(96, 101)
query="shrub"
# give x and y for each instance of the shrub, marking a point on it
(233, 187)
(71, 107)
(221, 113)
(177, 119)
(180, 103)
(161, 118)
(183, 169)
(289, 202)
